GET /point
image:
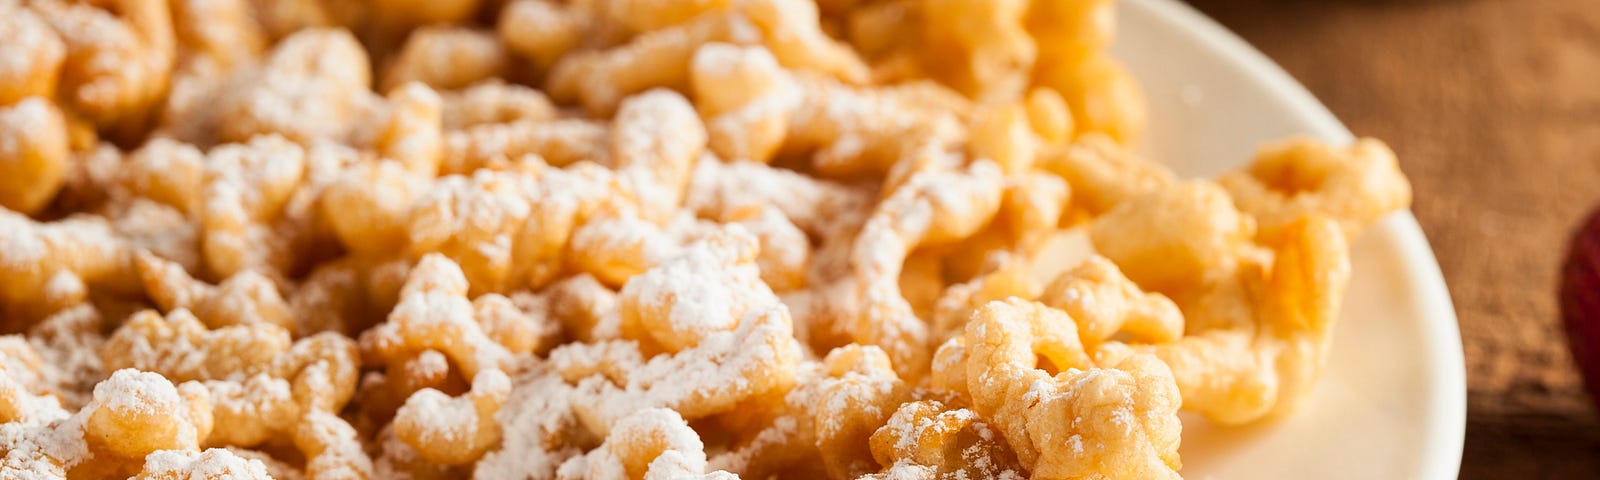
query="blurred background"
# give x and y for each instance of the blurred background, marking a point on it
(1494, 109)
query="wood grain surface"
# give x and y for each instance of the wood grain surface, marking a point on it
(1494, 109)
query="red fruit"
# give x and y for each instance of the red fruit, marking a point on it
(1580, 301)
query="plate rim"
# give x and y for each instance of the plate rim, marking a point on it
(1446, 426)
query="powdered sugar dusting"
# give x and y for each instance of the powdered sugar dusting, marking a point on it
(214, 463)
(29, 117)
(30, 46)
(707, 288)
(721, 189)
(539, 425)
(133, 392)
(723, 368)
(67, 344)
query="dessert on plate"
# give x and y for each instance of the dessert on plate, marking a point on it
(508, 239)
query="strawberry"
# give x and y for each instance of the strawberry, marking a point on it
(1580, 301)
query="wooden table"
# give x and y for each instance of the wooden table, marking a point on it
(1494, 109)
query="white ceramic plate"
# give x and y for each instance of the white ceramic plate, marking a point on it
(1392, 402)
